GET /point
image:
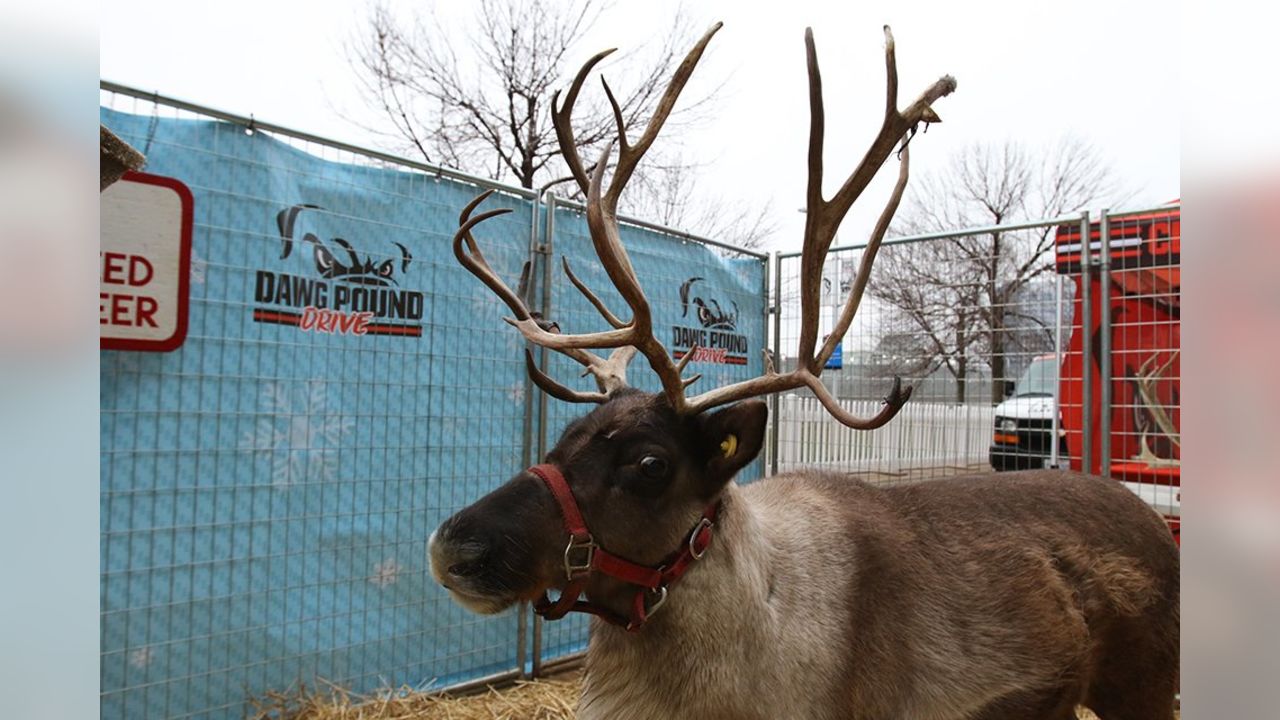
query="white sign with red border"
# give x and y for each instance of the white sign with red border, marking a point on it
(144, 263)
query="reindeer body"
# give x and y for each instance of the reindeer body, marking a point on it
(1012, 596)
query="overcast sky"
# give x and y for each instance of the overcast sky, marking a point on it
(1107, 72)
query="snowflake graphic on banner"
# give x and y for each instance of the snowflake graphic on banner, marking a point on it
(386, 573)
(140, 657)
(298, 434)
(198, 268)
(515, 392)
(485, 305)
(514, 342)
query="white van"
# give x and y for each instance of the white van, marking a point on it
(1024, 421)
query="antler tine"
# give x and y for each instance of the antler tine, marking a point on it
(603, 225)
(896, 125)
(591, 296)
(615, 256)
(629, 155)
(472, 259)
(618, 121)
(801, 377)
(609, 374)
(864, 265)
(687, 357)
(893, 402)
(891, 73)
(824, 217)
(821, 222)
(1147, 378)
(762, 385)
(816, 221)
(561, 119)
(613, 372)
(555, 389)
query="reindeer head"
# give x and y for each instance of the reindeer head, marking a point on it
(627, 499)
(640, 475)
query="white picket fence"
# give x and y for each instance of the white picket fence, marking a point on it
(924, 440)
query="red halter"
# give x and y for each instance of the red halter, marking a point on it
(582, 556)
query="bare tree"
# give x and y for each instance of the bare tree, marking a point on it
(480, 98)
(972, 299)
(672, 197)
(937, 309)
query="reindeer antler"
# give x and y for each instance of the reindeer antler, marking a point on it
(1148, 377)
(636, 335)
(610, 373)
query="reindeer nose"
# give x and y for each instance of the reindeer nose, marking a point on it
(468, 568)
(457, 558)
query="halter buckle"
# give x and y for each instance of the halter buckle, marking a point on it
(661, 592)
(704, 524)
(636, 620)
(587, 548)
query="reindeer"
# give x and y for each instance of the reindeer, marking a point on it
(809, 594)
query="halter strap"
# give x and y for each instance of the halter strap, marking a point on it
(582, 556)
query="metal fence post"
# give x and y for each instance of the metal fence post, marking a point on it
(1104, 380)
(545, 251)
(1086, 351)
(527, 449)
(1056, 422)
(777, 360)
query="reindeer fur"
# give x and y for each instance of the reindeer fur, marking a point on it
(1011, 596)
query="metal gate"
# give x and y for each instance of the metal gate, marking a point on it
(1026, 348)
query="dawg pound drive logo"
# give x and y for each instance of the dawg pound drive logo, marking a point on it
(717, 339)
(349, 296)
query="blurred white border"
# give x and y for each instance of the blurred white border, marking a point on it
(48, 360)
(1231, 345)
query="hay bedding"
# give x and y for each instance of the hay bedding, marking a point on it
(527, 700)
(553, 699)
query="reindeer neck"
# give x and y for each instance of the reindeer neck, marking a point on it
(735, 548)
(716, 618)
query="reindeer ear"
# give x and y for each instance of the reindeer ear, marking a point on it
(732, 437)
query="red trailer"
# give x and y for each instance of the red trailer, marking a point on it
(1141, 301)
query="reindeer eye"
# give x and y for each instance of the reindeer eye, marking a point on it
(653, 467)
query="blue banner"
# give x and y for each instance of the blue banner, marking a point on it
(268, 488)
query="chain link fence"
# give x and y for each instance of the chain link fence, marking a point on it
(1024, 349)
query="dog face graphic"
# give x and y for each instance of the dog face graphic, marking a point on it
(337, 259)
(708, 310)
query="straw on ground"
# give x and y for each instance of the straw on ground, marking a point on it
(553, 699)
(526, 700)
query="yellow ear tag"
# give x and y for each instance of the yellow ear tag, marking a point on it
(729, 445)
